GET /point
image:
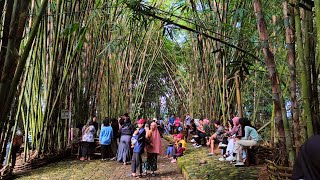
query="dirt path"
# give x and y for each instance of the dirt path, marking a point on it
(97, 169)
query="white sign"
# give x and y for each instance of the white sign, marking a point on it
(65, 114)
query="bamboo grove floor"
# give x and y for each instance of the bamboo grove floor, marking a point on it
(189, 163)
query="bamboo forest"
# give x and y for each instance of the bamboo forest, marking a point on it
(160, 89)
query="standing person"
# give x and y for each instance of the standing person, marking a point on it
(165, 129)
(160, 124)
(188, 121)
(171, 124)
(154, 148)
(105, 139)
(148, 122)
(126, 131)
(95, 123)
(177, 125)
(116, 135)
(127, 117)
(88, 132)
(16, 144)
(138, 149)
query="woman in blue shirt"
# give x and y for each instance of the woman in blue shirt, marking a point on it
(105, 138)
(250, 137)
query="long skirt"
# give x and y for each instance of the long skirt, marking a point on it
(151, 163)
(123, 154)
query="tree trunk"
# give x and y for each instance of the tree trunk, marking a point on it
(291, 60)
(316, 71)
(238, 92)
(284, 143)
(305, 87)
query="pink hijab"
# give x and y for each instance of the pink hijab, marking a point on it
(235, 121)
(206, 121)
(156, 145)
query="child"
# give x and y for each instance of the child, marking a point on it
(138, 149)
(179, 153)
(134, 138)
(105, 138)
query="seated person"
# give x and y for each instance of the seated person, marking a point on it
(216, 137)
(192, 130)
(232, 134)
(250, 137)
(206, 128)
(169, 150)
(180, 139)
(179, 152)
(225, 141)
(172, 147)
(201, 134)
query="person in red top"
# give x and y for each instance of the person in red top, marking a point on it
(177, 124)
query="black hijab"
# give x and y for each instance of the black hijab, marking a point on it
(307, 165)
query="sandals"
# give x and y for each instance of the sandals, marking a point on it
(136, 176)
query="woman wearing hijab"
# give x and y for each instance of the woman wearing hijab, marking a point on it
(154, 148)
(124, 154)
(307, 165)
(232, 134)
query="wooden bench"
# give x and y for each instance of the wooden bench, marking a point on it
(256, 155)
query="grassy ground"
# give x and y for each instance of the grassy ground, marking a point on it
(213, 168)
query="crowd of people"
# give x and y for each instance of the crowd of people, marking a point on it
(124, 141)
(231, 139)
